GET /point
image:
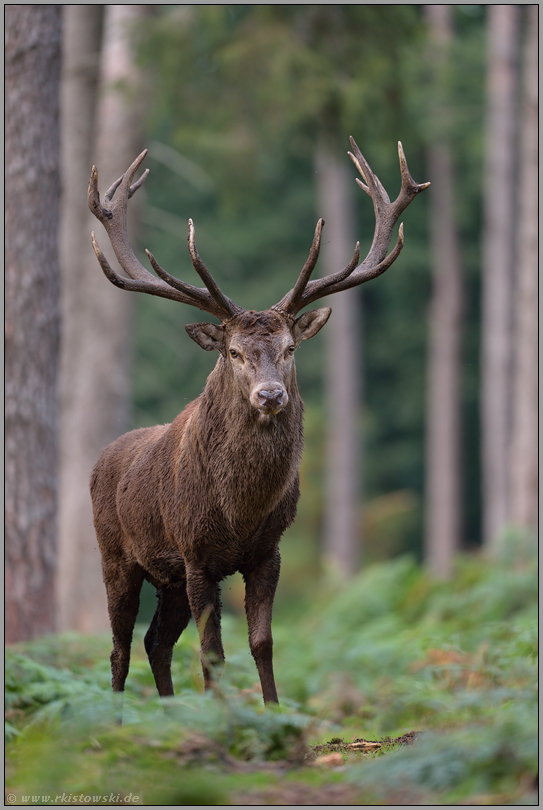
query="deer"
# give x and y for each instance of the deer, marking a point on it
(186, 504)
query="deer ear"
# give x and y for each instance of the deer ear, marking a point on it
(207, 335)
(308, 324)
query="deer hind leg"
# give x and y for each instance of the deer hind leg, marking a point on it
(260, 586)
(171, 616)
(123, 586)
(205, 604)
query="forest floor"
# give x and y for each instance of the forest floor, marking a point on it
(395, 690)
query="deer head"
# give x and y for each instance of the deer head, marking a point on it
(257, 347)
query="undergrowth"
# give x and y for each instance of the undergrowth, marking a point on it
(391, 654)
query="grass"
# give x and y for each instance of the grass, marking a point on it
(390, 654)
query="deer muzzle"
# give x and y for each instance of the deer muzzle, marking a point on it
(269, 399)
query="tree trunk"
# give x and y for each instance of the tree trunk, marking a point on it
(497, 261)
(442, 524)
(342, 518)
(81, 43)
(524, 449)
(96, 355)
(32, 80)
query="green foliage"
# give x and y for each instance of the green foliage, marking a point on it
(473, 761)
(392, 653)
(30, 686)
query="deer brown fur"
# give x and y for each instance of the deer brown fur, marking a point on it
(185, 505)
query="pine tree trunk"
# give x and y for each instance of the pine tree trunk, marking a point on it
(442, 524)
(96, 356)
(498, 256)
(32, 80)
(524, 449)
(342, 519)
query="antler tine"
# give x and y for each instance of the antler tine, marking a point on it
(290, 301)
(218, 296)
(193, 292)
(132, 190)
(112, 213)
(322, 286)
(386, 216)
(374, 187)
(333, 284)
(409, 187)
(154, 287)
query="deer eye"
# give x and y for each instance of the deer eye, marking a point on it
(291, 349)
(233, 353)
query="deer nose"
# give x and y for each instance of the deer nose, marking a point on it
(272, 399)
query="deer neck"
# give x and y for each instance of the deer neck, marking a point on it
(253, 462)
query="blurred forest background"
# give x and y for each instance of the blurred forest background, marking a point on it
(408, 595)
(421, 393)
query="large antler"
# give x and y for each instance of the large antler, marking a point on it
(376, 262)
(112, 213)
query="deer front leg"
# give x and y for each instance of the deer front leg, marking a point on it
(260, 586)
(205, 605)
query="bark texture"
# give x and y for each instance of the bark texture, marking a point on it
(442, 476)
(32, 79)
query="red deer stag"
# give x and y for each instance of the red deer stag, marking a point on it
(187, 504)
